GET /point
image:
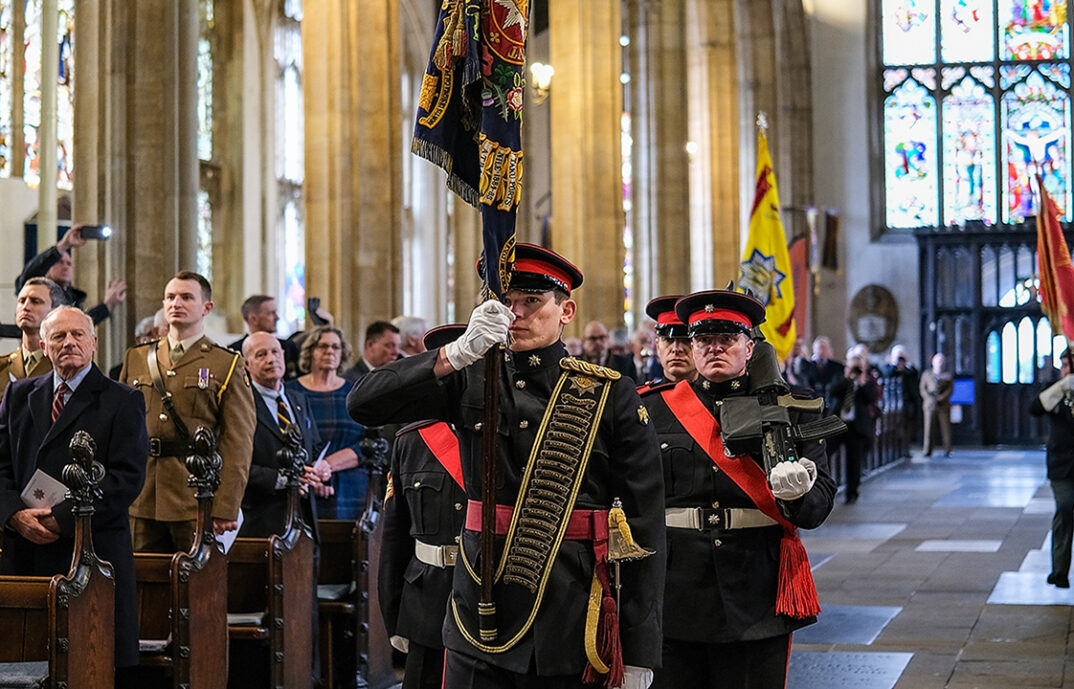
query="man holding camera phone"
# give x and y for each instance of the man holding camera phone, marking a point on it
(851, 398)
(56, 264)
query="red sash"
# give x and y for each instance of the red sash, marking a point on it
(441, 441)
(797, 594)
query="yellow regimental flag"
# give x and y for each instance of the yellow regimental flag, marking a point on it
(766, 265)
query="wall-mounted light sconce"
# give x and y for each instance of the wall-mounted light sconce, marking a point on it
(542, 81)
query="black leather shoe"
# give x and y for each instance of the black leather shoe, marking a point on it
(1060, 581)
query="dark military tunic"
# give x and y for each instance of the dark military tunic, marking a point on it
(622, 464)
(1060, 461)
(722, 583)
(424, 503)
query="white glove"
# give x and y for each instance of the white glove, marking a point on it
(488, 326)
(792, 480)
(636, 677)
(400, 644)
(1051, 396)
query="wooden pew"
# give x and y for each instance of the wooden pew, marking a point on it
(60, 630)
(270, 592)
(182, 597)
(336, 602)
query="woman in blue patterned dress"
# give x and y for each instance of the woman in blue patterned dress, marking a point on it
(323, 355)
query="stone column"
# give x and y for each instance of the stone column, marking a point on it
(465, 222)
(353, 185)
(660, 186)
(186, 144)
(46, 131)
(586, 104)
(713, 98)
(100, 164)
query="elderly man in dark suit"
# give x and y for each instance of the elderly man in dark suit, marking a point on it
(38, 417)
(264, 505)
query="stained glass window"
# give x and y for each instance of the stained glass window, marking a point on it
(966, 30)
(31, 85)
(7, 47)
(1034, 29)
(967, 128)
(1035, 115)
(910, 155)
(204, 107)
(205, 234)
(290, 161)
(207, 22)
(993, 372)
(909, 28)
(65, 96)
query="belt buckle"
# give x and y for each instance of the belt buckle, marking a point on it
(715, 518)
(450, 555)
(154, 447)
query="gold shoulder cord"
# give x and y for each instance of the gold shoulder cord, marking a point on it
(234, 360)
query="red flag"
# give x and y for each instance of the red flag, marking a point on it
(1054, 267)
(799, 255)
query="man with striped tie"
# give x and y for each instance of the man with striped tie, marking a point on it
(38, 417)
(264, 505)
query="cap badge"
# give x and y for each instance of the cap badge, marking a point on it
(709, 308)
(535, 360)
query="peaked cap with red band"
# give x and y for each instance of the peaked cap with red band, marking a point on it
(719, 311)
(538, 270)
(442, 334)
(662, 310)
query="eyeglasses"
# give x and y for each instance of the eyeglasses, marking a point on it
(326, 347)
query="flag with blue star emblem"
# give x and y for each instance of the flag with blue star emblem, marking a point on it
(766, 265)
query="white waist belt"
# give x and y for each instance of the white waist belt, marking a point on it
(724, 518)
(436, 555)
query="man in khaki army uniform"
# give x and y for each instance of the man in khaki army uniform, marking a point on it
(37, 298)
(205, 385)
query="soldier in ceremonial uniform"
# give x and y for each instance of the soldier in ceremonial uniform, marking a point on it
(728, 612)
(673, 347)
(37, 298)
(572, 439)
(1056, 401)
(424, 512)
(188, 381)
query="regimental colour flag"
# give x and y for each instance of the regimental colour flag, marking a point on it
(470, 116)
(1053, 265)
(766, 266)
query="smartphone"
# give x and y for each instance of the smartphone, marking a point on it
(95, 232)
(312, 304)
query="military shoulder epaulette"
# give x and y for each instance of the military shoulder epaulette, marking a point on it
(206, 346)
(146, 344)
(415, 426)
(569, 363)
(650, 388)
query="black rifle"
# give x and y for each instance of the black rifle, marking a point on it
(762, 418)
